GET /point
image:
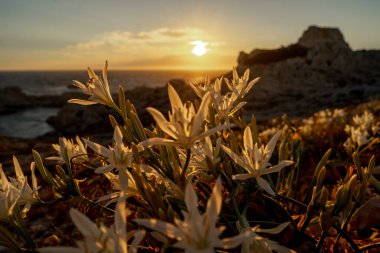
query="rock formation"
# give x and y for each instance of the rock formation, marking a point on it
(319, 71)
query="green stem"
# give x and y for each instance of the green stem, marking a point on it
(236, 207)
(294, 201)
(283, 210)
(375, 182)
(188, 155)
(93, 203)
(347, 237)
(320, 242)
(370, 246)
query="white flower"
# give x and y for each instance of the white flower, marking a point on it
(202, 88)
(118, 156)
(240, 86)
(364, 121)
(97, 88)
(185, 126)
(197, 232)
(17, 190)
(255, 160)
(257, 243)
(73, 149)
(101, 238)
(115, 184)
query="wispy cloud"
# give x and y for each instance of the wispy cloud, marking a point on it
(162, 47)
(121, 40)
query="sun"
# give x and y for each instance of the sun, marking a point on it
(199, 48)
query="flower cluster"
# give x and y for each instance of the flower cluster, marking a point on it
(16, 192)
(361, 132)
(200, 180)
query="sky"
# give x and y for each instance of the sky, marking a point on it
(159, 34)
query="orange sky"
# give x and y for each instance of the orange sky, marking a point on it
(68, 34)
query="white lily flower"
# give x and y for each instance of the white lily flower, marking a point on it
(118, 156)
(73, 149)
(200, 151)
(203, 87)
(17, 190)
(100, 238)
(197, 232)
(240, 86)
(185, 126)
(255, 160)
(8, 200)
(224, 105)
(97, 88)
(116, 186)
(257, 243)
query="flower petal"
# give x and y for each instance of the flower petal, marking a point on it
(81, 102)
(174, 98)
(83, 223)
(157, 141)
(275, 230)
(272, 144)
(265, 185)
(276, 168)
(236, 158)
(161, 121)
(201, 114)
(242, 176)
(248, 140)
(163, 227)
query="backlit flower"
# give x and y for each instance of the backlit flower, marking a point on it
(73, 149)
(239, 85)
(97, 88)
(255, 160)
(185, 125)
(101, 238)
(118, 156)
(197, 232)
(17, 190)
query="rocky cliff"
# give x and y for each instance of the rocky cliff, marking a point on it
(320, 70)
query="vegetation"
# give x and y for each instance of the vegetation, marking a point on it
(201, 180)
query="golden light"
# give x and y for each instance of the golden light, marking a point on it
(199, 48)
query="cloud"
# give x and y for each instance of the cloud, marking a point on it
(120, 39)
(155, 48)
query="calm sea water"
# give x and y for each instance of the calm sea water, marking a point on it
(32, 122)
(57, 82)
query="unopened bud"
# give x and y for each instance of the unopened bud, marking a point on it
(321, 177)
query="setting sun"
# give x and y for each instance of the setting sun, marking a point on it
(199, 48)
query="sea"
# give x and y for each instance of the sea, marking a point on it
(31, 123)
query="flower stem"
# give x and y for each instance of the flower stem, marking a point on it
(188, 155)
(320, 242)
(347, 237)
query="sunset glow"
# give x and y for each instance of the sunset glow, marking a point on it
(199, 48)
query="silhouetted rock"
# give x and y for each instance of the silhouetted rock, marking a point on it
(13, 99)
(330, 74)
(315, 36)
(265, 56)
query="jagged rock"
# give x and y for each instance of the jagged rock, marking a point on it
(330, 74)
(315, 36)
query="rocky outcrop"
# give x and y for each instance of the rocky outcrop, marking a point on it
(265, 56)
(318, 71)
(315, 36)
(13, 99)
(330, 74)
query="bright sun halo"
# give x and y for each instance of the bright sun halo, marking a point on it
(199, 48)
